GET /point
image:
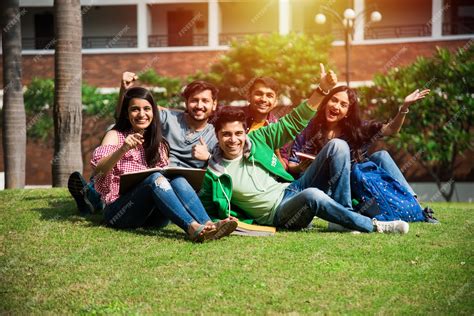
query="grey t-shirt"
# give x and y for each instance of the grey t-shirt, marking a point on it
(181, 139)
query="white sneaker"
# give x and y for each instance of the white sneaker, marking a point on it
(333, 227)
(398, 226)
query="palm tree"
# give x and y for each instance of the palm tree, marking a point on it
(14, 119)
(67, 86)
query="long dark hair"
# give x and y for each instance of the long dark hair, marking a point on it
(152, 135)
(351, 126)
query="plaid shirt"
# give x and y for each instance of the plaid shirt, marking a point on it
(271, 118)
(108, 185)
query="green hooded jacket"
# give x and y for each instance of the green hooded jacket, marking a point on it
(216, 191)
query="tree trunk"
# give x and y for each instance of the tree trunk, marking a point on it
(449, 194)
(14, 119)
(439, 183)
(450, 172)
(67, 95)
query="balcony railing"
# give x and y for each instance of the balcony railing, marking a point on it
(38, 43)
(418, 30)
(165, 40)
(459, 27)
(41, 43)
(109, 42)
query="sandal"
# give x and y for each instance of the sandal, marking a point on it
(224, 228)
(200, 236)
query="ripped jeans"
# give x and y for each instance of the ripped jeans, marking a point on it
(156, 201)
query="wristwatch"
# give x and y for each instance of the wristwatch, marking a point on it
(321, 91)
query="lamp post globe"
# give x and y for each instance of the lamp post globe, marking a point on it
(349, 14)
(320, 18)
(348, 21)
(376, 16)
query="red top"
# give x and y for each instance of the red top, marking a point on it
(108, 185)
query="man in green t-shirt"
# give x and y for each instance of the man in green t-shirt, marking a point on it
(246, 180)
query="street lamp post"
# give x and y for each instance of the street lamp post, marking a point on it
(347, 21)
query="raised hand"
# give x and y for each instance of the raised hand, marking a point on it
(415, 96)
(328, 80)
(127, 79)
(132, 141)
(200, 151)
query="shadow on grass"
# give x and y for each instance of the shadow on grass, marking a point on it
(64, 210)
(40, 197)
(168, 233)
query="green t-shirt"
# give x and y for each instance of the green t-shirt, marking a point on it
(254, 190)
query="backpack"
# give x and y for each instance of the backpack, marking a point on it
(382, 197)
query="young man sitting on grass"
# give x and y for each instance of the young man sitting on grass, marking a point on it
(246, 180)
(189, 135)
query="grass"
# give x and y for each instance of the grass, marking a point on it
(52, 261)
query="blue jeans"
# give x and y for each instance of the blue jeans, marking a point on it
(154, 202)
(324, 191)
(383, 159)
(93, 196)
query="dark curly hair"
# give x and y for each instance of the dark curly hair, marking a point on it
(226, 114)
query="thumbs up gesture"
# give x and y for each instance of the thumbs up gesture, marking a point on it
(328, 80)
(200, 151)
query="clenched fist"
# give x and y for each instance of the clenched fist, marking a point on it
(127, 79)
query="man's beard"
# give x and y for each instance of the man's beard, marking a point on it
(193, 116)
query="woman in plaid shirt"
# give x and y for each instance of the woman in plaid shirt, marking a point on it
(134, 144)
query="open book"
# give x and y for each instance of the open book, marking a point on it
(305, 155)
(244, 229)
(193, 175)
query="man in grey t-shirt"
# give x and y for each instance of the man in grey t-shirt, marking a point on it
(188, 133)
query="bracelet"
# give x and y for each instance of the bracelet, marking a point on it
(402, 112)
(321, 91)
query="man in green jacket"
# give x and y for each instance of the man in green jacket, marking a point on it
(245, 179)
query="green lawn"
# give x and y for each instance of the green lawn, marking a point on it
(52, 261)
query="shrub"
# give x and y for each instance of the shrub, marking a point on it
(39, 99)
(439, 128)
(166, 91)
(292, 60)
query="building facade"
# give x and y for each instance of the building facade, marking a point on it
(179, 37)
